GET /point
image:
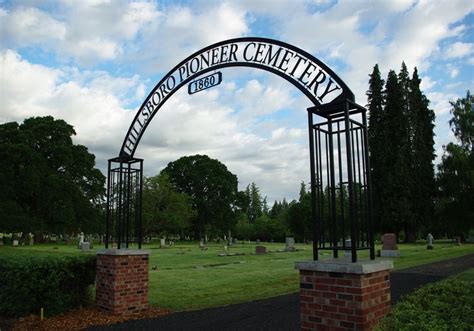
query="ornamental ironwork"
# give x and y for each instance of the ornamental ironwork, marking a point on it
(338, 147)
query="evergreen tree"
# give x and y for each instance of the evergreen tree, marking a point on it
(423, 154)
(255, 206)
(376, 134)
(265, 209)
(395, 205)
(406, 157)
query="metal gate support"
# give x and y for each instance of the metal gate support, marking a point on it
(340, 179)
(124, 202)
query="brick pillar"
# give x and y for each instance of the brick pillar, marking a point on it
(122, 281)
(339, 295)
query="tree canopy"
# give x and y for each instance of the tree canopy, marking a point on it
(48, 182)
(164, 210)
(401, 152)
(212, 188)
(455, 210)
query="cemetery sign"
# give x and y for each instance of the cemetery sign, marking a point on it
(319, 83)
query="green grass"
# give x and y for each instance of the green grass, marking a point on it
(467, 275)
(188, 278)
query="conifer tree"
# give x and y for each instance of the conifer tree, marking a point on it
(423, 153)
(395, 204)
(376, 138)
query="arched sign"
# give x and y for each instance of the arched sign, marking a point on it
(319, 83)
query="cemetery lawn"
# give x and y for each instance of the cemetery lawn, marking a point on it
(187, 278)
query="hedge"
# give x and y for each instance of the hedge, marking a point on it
(446, 305)
(56, 284)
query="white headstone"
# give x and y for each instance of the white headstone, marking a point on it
(15, 242)
(429, 241)
(162, 242)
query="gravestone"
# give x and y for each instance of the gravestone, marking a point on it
(85, 246)
(162, 243)
(81, 240)
(260, 250)
(389, 245)
(458, 241)
(201, 244)
(15, 242)
(290, 244)
(348, 245)
(429, 241)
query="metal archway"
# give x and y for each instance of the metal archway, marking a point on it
(331, 99)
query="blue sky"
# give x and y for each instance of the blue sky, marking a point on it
(93, 63)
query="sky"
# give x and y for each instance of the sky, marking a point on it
(92, 63)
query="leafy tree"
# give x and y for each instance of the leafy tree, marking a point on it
(212, 188)
(164, 210)
(456, 172)
(48, 183)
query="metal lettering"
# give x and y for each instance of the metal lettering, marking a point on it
(297, 63)
(245, 52)
(327, 91)
(270, 57)
(306, 73)
(317, 82)
(223, 53)
(285, 60)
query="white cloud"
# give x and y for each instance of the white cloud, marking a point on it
(427, 83)
(459, 49)
(92, 102)
(453, 72)
(30, 26)
(27, 89)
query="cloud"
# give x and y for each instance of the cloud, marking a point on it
(30, 26)
(459, 50)
(86, 31)
(93, 102)
(90, 105)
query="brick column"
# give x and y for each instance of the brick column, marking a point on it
(339, 295)
(122, 281)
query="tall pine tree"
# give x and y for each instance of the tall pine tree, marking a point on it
(423, 154)
(375, 106)
(401, 152)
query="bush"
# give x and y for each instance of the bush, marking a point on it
(446, 305)
(54, 283)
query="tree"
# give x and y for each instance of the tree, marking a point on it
(212, 188)
(423, 154)
(456, 172)
(299, 215)
(255, 205)
(48, 183)
(164, 210)
(376, 139)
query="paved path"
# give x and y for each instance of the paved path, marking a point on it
(282, 312)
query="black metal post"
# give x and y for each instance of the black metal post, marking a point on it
(350, 183)
(108, 207)
(140, 207)
(332, 190)
(313, 187)
(368, 188)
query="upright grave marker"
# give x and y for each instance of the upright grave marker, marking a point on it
(389, 245)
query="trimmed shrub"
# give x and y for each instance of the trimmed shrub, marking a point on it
(445, 305)
(56, 284)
